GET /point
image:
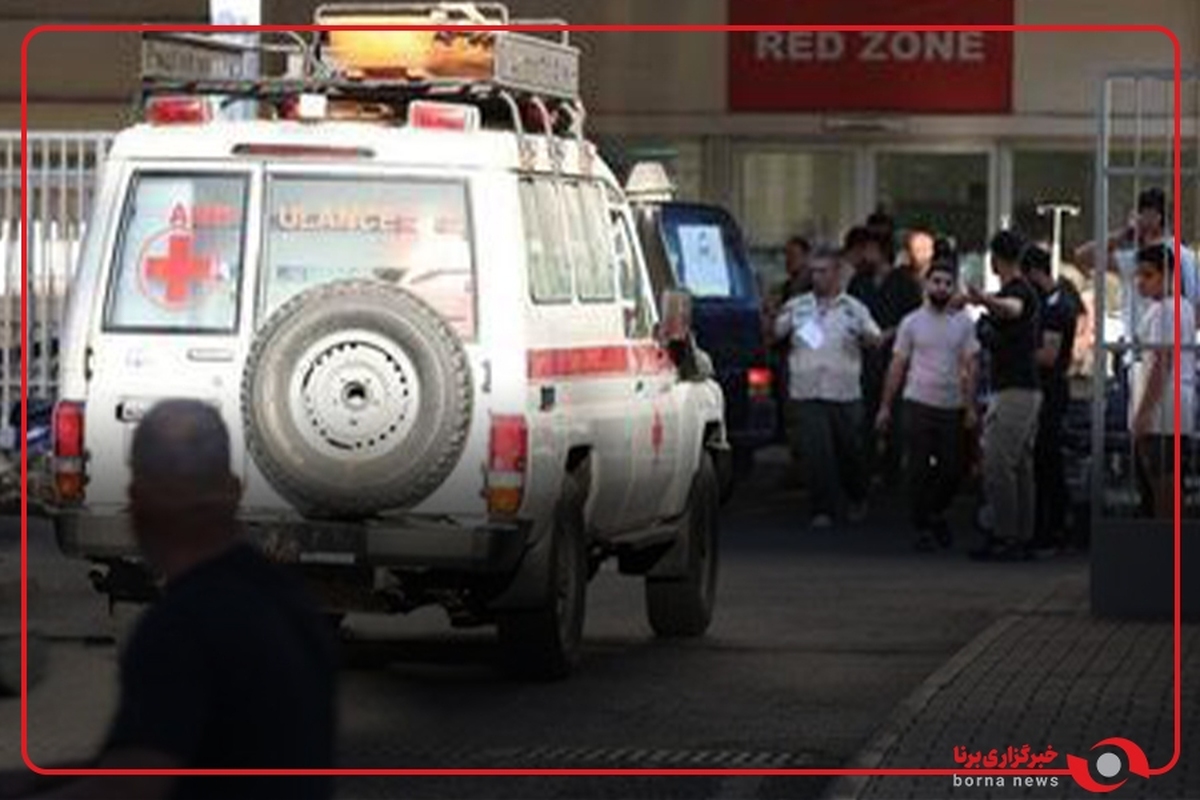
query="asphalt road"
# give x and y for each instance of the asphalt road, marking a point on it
(817, 637)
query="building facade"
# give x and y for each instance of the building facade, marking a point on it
(796, 132)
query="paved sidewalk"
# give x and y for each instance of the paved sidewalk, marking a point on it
(1048, 674)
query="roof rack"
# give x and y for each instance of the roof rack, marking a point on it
(375, 64)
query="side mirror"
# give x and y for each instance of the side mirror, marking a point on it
(676, 325)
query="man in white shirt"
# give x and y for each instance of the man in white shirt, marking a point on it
(828, 330)
(1147, 227)
(1152, 405)
(935, 362)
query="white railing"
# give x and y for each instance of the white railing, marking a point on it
(62, 172)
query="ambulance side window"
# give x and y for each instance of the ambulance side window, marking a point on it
(594, 253)
(636, 309)
(548, 266)
(178, 265)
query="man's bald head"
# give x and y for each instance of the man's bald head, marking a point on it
(184, 441)
(184, 497)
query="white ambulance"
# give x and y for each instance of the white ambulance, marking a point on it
(415, 294)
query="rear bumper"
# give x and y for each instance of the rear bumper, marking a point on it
(417, 543)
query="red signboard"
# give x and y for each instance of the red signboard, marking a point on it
(900, 71)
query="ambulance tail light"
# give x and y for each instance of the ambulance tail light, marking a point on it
(68, 442)
(758, 382)
(508, 455)
(443, 116)
(178, 111)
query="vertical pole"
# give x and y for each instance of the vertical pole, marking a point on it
(1099, 287)
(12, 235)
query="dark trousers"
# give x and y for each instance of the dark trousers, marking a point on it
(829, 436)
(1154, 468)
(883, 453)
(1050, 472)
(935, 437)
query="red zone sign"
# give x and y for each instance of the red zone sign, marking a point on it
(871, 71)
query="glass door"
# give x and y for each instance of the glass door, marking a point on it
(951, 193)
(793, 190)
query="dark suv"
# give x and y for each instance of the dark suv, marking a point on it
(700, 248)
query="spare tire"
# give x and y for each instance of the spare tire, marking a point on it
(356, 399)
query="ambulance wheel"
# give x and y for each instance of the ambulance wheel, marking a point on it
(545, 643)
(683, 607)
(356, 399)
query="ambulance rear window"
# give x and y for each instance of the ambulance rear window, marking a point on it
(179, 255)
(411, 232)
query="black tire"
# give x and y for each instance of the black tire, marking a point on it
(347, 353)
(545, 643)
(683, 607)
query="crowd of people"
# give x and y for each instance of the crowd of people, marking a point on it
(896, 367)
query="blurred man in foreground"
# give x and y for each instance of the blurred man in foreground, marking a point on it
(233, 668)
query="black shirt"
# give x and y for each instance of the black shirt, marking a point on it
(233, 668)
(867, 289)
(900, 295)
(1013, 343)
(1060, 310)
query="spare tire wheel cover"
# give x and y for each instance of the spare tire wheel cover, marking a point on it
(356, 399)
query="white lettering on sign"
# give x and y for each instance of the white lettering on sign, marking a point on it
(970, 46)
(799, 46)
(906, 47)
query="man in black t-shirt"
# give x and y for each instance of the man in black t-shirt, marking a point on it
(867, 254)
(233, 667)
(1061, 308)
(1011, 333)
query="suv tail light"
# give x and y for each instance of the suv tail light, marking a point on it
(67, 440)
(508, 455)
(758, 382)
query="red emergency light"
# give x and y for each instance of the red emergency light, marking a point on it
(443, 116)
(177, 110)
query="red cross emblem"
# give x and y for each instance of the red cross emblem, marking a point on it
(656, 433)
(179, 272)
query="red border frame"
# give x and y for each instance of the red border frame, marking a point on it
(135, 28)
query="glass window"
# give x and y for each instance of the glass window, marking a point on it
(638, 324)
(786, 193)
(596, 281)
(549, 269)
(946, 193)
(179, 260)
(412, 233)
(579, 245)
(706, 256)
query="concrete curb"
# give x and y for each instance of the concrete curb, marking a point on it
(872, 755)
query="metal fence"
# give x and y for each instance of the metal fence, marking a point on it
(63, 170)
(1136, 151)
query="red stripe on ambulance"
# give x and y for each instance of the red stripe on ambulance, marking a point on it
(574, 362)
